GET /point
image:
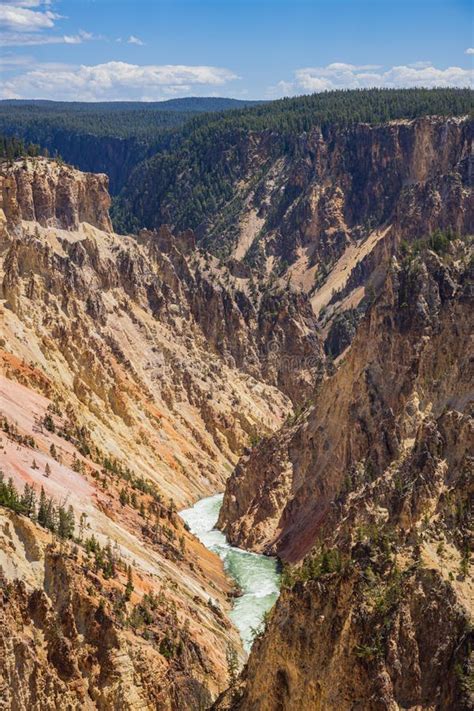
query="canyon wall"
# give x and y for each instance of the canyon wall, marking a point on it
(371, 490)
(135, 371)
(323, 210)
(365, 415)
(323, 365)
(319, 191)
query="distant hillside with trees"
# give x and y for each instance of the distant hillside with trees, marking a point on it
(177, 161)
(105, 137)
(192, 177)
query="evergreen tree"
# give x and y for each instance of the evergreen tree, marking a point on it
(28, 501)
(65, 522)
(51, 516)
(232, 666)
(42, 508)
(49, 423)
(47, 514)
(109, 562)
(9, 495)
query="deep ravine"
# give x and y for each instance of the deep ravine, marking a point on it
(257, 576)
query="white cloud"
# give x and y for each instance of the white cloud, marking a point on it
(419, 65)
(17, 17)
(79, 38)
(340, 75)
(21, 26)
(135, 40)
(428, 76)
(30, 39)
(470, 50)
(114, 81)
(27, 3)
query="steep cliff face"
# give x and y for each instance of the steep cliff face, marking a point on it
(346, 182)
(303, 199)
(53, 195)
(374, 485)
(71, 635)
(365, 414)
(266, 330)
(328, 217)
(324, 210)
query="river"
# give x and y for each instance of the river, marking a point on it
(256, 575)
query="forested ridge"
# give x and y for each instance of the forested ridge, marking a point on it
(96, 140)
(104, 137)
(178, 161)
(345, 107)
(125, 119)
(193, 176)
(118, 119)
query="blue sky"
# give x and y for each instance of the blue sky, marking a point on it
(158, 49)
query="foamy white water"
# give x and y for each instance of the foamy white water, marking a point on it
(256, 575)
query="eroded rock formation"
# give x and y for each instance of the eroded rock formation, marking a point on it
(54, 195)
(138, 370)
(134, 373)
(372, 488)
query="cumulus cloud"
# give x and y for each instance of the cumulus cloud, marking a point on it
(22, 26)
(135, 40)
(17, 16)
(428, 76)
(114, 81)
(470, 50)
(419, 65)
(340, 75)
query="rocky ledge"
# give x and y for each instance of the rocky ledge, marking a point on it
(53, 195)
